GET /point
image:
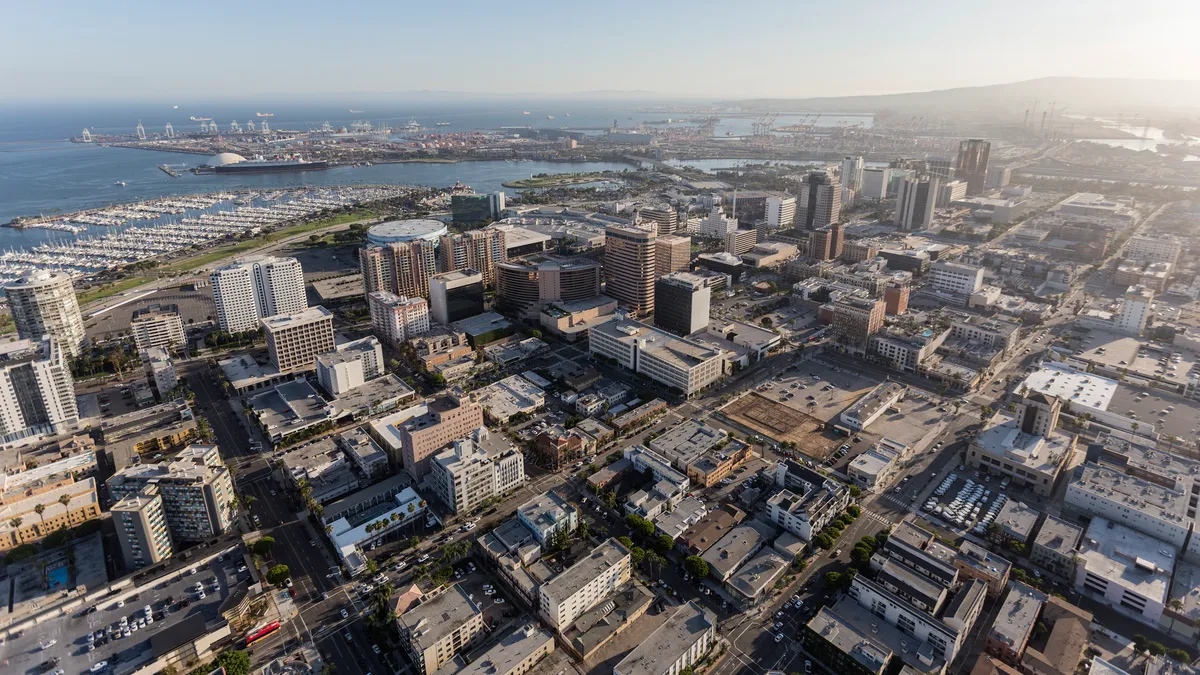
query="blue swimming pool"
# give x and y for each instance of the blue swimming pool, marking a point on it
(57, 576)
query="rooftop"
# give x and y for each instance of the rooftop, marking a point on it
(1018, 518)
(882, 395)
(285, 321)
(1003, 438)
(1133, 492)
(574, 578)
(546, 509)
(1058, 535)
(1129, 558)
(503, 656)
(687, 441)
(1014, 622)
(657, 654)
(1071, 385)
(512, 395)
(712, 527)
(737, 546)
(983, 560)
(867, 639)
(662, 345)
(482, 323)
(437, 616)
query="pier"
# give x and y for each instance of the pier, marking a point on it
(169, 171)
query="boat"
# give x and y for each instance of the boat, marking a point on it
(120, 182)
(567, 114)
(443, 124)
(258, 114)
(355, 111)
(549, 117)
(525, 112)
(200, 119)
(412, 125)
(262, 165)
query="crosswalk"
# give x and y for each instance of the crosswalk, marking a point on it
(876, 517)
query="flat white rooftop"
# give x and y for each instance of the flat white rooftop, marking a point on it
(1074, 386)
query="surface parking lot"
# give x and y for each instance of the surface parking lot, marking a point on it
(963, 501)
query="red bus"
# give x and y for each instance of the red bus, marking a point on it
(260, 633)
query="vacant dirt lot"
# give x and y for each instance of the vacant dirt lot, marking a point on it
(780, 423)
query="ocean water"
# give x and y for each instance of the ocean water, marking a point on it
(42, 172)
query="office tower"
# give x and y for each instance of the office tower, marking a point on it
(402, 268)
(895, 299)
(455, 295)
(37, 393)
(664, 218)
(717, 225)
(1037, 413)
(522, 287)
(1135, 311)
(956, 277)
(915, 202)
(158, 326)
(972, 164)
(396, 319)
(820, 202)
(256, 287)
(997, 177)
(444, 420)
(43, 303)
(851, 178)
(950, 192)
(740, 241)
(160, 371)
(295, 340)
(479, 250)
(859, 250)
(629, 266)
(874, 183)
(141, 525)
(781, 213)
(942, 167)
(350, 366)
(672, 253)
(826, 243)
(682, 301)
(837, 240)
(855, 320)
(196, 489)
(472, 208)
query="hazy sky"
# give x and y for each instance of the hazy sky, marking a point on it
(208, 49)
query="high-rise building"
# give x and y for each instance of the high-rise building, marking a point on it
(895, 299)
(395, 319)
(585, 584)
(855, 320)
(972, 164)
(629, 266)
(915, 202)
(826, 243)
(466, 475)
(682, 301)
(820, 202)
(402, 268)
(141, 525)
(44, 303)
(851, 178)
(523, 287)
(942, 167)
(445, 419)
(350, 366)
(740, 241)
(252, 288)
(158, 326)
(717, 224)
(478, 250)
(781, 213)
(196, 489)
(37, 393)
(672, 253)
(997, 177)
(664, 218)
(951, 192)
(454, 296)
(295, 340)
(956, 277)
(1135, 311)
(160, 371)
(472, 208)
(875, 183)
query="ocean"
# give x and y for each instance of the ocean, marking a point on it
(42, 172)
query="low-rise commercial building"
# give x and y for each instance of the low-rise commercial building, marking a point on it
(1017, 450)
(873, 405)
(737, 547)
(684, 365)
(1014, 623)
(370, 519)
(1054, 547)
(511, 396)
(1125, 569)
(29, 520)
(679, 643)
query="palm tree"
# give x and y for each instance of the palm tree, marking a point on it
(40, 509)
(65, 500)
(16, 522)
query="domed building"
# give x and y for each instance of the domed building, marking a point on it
(396, 231)
(224, 158)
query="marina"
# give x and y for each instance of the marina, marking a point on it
(169, 225)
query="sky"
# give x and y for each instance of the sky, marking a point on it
(208, 49)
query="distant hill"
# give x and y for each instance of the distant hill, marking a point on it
(1079, 94)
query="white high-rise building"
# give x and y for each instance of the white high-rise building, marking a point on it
(255, 288)
(957, 277)
(465, 475)
(44, 303)
(37, 393)
(852, 178)
(1152, 249)
(781, 212)
(395, 318)
(1135, 310)
(875, 183)
(717, 225)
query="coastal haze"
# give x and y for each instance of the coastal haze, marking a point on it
(790, 338)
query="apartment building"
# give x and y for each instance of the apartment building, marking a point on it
(1153, 248)
(250, 289)
(445, 419)
(395, 319)
(68, 505)
(160, 371)
(446, 623)
(675, 362)
(1013, 627)
(810, 503)
(478, 250)
(295, 340)
(672, 253)
(630, 267)
(158, 326)
(547, 514)
(141, 525)
(37, 392)
(679, 643)
(466, 475)
(1054, 547)
(400, 268)
(781, 212)
(938, 636)
(859, 250)
(855, 320)
(583, 585)
(43, 303)
(196, 489)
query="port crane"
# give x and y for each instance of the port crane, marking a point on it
(87, 135)
(170, 130)
(250, 126)
(204, 127)
(265, 128)
(141, 131)
(235, 128)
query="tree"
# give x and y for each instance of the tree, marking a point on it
(1156, 648)
(626, 542)
(832, 580)
(584, 530)
(823, 541)
(1139, 642)
(234, 661)
(855, 491)
(40, 509)
(372, 566)
(664, 543)
(695, 566)
(766, 322)
(986, 411)
(1179, 655)
(854, 510)
(65, 500)
(534, 333)
(278, 574)
(637, 555)
(263, 546)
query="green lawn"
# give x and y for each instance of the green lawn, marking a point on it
(114, 288)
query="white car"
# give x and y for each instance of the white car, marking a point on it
(345, 614)
(98, 666)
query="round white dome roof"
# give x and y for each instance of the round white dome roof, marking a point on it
(395, 231)
(225, 158)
